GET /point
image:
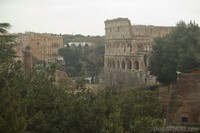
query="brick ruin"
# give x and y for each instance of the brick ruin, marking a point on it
(127, 51)
(184, 103)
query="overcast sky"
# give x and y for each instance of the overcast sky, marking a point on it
(87, 16)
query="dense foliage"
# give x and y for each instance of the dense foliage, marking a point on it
(176, 52)
(83, 60)
(6, 51)
(31, 102)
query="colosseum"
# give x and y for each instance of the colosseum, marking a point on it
(127, 51)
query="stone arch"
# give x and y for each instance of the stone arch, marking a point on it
(108, 45)
(118, 64)
(123, 64)
(109, 63)
(136, 65)
(129, 64)
(130, 47)
(113, 63)
(145, 60)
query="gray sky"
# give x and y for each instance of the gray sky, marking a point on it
(87, 16)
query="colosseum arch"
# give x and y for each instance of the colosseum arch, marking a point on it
(108, 63)
(145, 60)
(136, 65)
(113, 63)
(118, 64)
(123, 64)
(130, 47)
(129, 64)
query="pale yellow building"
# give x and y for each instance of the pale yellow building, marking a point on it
(43, 46)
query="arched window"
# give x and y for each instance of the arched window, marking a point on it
(118, 64)
(130, 47)
(145, 60)
(113, 63)
(136, 65)
(123, 64)
(109, 63)
(129, 65)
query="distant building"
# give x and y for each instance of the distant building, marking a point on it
(43, 46)
(127, 52)
(80, 43)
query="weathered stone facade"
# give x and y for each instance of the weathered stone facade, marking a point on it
(127, 51)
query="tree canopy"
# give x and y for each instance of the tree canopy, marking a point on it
(4, 27)
(176, 52)
(83, 60)
(6, 44)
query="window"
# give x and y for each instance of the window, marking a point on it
(136, 65)
(123, 64)
(145, 60)
(129, 66)
(118, 65)
(113, 63)
(108, 63)
(184, 119)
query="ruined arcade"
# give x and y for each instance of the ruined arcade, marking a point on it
(127, 51)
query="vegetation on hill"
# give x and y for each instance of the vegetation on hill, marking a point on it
(83, 60)
(30, 102)
(176, 52)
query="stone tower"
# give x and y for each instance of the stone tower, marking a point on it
(127, 52)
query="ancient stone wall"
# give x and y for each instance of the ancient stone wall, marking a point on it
(150, 30)
(184, 107)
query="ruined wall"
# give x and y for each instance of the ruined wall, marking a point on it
(150, 30)
(118, 28)
(187, 95)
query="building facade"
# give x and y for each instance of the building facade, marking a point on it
(43, 46)
(127, 51)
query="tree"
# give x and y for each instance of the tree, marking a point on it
(83, 61)
(72, 60)
(12, 105)
(4, 27)
(140, 111)
(6, 44)
(66, 82)
(177, 51)
(94, 60)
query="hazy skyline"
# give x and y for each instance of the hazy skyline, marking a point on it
(87, 17)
